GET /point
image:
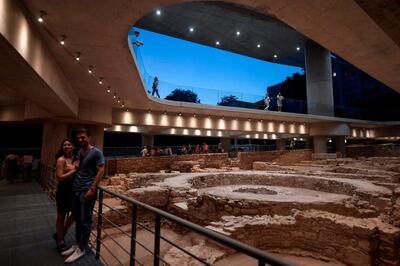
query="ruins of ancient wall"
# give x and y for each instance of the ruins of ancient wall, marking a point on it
(382, 150)
(285, 157)
(349, 240)
(155, 164)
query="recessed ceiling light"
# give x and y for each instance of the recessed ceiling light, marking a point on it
(275, 56)
(238, 33)
(158, 12)
(258, 45)
(298, 48)
(90, 69)
(191, 29)
(115, 96)
(217, 42)
(78, 56)
(108, 89)
(100, 81)
(334, 74)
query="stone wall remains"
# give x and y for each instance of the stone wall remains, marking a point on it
(378, 150)
(350, 240)
(286, 157)
(155, 164)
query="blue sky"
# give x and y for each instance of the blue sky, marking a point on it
(180, 62)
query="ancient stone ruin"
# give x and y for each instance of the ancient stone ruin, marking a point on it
(310, 212)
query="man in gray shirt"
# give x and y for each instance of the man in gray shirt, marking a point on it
(88, 176)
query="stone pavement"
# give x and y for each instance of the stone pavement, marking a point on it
(27, 222)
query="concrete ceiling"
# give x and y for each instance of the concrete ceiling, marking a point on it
(219, 21)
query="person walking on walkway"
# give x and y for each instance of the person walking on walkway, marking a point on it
(155, 87)
(65, 173)
(267, 100)
(279, 101)
(90, 171)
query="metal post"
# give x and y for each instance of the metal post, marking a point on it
(99, 221)
(133, 236)
(157, 240)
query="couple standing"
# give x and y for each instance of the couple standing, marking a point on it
(78, 180)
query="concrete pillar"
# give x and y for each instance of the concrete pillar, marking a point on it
(53, 134)
(147, 140)
(319, 80)
(97, 136)
(280, 144)
(226, 143)
(320, 145)
(340, 145)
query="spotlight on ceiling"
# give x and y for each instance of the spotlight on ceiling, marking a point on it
(123, 104)
(275, 56)
(100, 81)
(238, 33)
(126, 110)
(63, 38)
(158, 12)
(78, 56)
(180, 114)
(115, 96)
(258, 45)
(41, 16)
(297, 48)
(108, 89)
(90, 69)
(119, 100)
(217, 43)
(191, 29)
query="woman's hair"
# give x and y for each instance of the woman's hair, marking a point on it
(61, 150)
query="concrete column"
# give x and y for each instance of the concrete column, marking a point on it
(97, 136)
(147, 140)
(319, 80)
(340, 145)
(53, 134)
(226, 143)
(280, 144)
(319, 143)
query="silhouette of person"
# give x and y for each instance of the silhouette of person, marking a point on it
(155, 87)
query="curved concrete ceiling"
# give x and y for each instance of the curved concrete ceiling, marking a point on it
(99, 32)
(220, 21)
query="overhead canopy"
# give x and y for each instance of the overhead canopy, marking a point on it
(261, 36)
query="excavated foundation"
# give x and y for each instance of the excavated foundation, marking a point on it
(334, 212)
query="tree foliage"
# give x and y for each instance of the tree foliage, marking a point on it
(228, 100)
(183, 96)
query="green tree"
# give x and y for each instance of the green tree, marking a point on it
(228, 100)
(182, 95)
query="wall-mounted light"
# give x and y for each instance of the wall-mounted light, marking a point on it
(62, 40)
(41, 16)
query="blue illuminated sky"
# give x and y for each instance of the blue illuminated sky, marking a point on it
(186, 63)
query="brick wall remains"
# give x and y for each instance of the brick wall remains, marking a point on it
(155, 164)
(285, 157)
(378, 150)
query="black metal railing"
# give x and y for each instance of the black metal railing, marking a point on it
(259, 255)
(48, 180)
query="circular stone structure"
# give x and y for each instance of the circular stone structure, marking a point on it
(272, 194)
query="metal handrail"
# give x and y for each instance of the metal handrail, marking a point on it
(261, 256)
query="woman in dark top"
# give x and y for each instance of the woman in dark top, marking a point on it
(65, 172)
